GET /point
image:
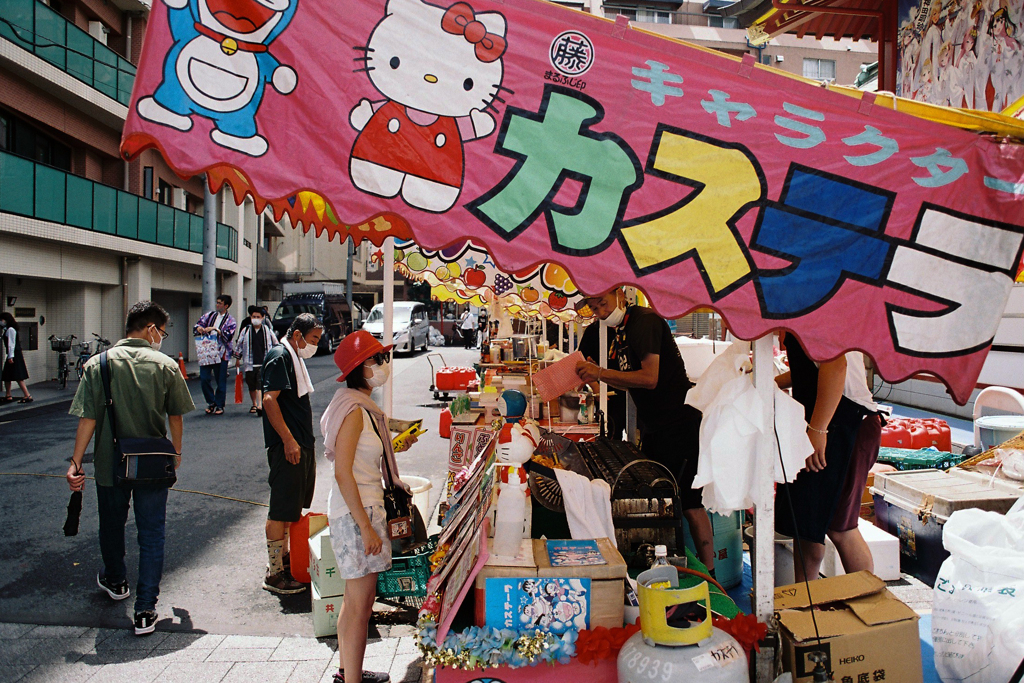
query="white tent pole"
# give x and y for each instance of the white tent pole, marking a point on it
(764, 512)
(389, 313)
(603, 362)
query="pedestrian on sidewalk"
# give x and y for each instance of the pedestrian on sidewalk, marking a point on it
(150, 384)
(14, 369)
(213, 374)
(288, 435)
(356, 439)
(254, 340)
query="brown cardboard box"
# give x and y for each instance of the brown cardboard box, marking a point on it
(606, 581)
(865, 630)
(523, 566)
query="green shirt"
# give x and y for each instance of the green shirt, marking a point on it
(146, 386)
(279, 375)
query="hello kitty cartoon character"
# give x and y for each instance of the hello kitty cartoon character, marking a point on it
(439, 70)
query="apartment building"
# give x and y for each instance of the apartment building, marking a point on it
(83, 234)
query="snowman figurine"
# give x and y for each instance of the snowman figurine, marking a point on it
(516, 445)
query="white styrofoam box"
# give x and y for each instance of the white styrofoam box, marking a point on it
(885, 551)
(325, 613)
(323, 568)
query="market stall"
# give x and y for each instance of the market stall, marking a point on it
(549, 136)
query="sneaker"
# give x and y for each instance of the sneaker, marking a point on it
(368, 677)
(116, 591)
(282, 584)
(145, 622)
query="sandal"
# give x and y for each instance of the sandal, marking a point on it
(27, 399)
(252, 411)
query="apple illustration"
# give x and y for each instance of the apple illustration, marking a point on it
(557, 301)
(475, 277)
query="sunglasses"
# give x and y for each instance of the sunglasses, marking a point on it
(381, 358)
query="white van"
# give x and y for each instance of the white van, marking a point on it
(411, 326)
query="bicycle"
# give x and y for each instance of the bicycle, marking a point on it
(85, 352)
(62, 345)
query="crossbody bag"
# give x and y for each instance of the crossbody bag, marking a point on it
(145, 461)
(397, 503)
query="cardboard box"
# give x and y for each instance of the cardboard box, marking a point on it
(885, 551)
(865, 630)
(323, 568)
(325, 613)
(523, 566)
(607, 581)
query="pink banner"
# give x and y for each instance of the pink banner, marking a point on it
(549, 135)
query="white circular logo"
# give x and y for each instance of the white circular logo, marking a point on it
(571, 53)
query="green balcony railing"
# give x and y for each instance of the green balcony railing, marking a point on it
(45, 33)
(46, 193)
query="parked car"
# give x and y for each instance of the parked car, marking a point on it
(327, 302)
(411, 327)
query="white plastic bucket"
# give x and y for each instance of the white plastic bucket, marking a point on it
(420, 494)
(995, 429)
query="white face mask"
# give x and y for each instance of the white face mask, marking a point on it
(378, 375)
(615, 318)
(159, 340)
(257, 322)
(308, 351)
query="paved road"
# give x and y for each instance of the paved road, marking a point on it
(215, 547)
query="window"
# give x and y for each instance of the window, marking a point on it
(716, 21)
(820, 69)
(165, 193)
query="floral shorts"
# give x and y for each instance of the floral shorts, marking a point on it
(349, 551)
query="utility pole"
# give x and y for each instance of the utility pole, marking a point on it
(209, 248)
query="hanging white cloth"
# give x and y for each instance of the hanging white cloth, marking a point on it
(588, 506)
(732, 424)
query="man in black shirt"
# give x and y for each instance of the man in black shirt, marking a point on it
(643, 358)
(288, 435)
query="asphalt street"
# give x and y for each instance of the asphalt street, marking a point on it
(215, 550)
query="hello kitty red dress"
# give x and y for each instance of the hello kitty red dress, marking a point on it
(413, 142)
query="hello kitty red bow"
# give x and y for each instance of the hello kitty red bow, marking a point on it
(461, 20)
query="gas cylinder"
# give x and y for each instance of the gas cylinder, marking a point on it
(670, 648)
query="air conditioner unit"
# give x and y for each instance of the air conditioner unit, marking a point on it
(780, 58)
(98, 31)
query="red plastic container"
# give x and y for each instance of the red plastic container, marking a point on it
(454, 378)
(298, 547)
(445, 426)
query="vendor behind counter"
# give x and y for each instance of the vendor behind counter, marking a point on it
(643, 359)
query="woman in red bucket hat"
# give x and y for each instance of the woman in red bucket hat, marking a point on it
(356, 439)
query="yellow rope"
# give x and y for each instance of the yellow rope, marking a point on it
(198, 493)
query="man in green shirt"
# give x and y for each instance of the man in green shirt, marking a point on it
(149, 394)
(288, 435)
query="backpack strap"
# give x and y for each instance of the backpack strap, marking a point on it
(109, 403)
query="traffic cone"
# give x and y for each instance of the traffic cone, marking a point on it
(181, 365)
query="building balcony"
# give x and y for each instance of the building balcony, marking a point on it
(48, 194)
(42, 31)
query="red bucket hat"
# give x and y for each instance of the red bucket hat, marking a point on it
(355, 349)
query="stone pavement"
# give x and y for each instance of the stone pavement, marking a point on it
(54, 654)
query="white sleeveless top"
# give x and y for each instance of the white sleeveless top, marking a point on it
(365, 469)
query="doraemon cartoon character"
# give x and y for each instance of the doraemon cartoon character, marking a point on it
(218, 67)
(439, 70)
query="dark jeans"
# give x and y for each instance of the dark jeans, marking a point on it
(150, 514)
(214, 380)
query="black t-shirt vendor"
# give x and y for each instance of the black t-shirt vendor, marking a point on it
(643, 358)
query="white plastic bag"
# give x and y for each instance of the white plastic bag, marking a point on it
(978, 615)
